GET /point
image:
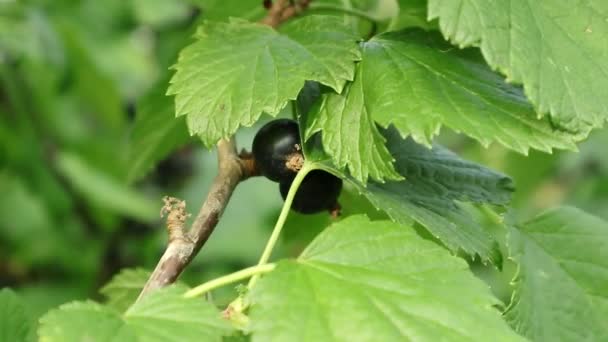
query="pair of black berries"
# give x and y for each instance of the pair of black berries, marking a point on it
(278, 154)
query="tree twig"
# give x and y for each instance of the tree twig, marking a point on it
(233, 168)
(283, 10)
(183, 246)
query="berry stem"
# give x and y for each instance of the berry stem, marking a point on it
(276, 232)
(229, 279)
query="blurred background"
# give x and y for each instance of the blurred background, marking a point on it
(82, 173)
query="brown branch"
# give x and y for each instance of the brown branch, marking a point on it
(233, 168)
(283, 10)
(183, 246)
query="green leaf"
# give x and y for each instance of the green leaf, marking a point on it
(105, 191)
(83, 321)
(156, 132)
(561, 287)
(556, 49)
(350, 135)
(435, 181)
(237, 70)
(164, 315)
(416, 81)
(374, 281)
(16, 324)
(124, 288)
(167, 316)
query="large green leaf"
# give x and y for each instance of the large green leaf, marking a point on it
(156, 132)
(15, 325)
(561, 287)
(124, 288)
(435, 181)
(374, 281)
(556, 48)
(164, 315)
(416, 81)
(237, 70)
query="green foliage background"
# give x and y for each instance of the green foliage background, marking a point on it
(89, 145)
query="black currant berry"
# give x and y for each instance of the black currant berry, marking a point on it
(273, 146)
(319, 191)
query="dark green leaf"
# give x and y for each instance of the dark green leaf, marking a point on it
(435, 181)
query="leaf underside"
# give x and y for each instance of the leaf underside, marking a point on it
(436, 182)
(561, 287)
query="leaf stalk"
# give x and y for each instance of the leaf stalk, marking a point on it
(276, 232)
(229, 279)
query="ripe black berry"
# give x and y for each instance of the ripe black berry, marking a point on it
(319, 191)
(273, 146)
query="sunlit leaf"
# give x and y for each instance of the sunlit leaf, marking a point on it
(556, 49)
(237, 70)
(374, 281)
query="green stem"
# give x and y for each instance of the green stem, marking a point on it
(276, 232)
(229, 279)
